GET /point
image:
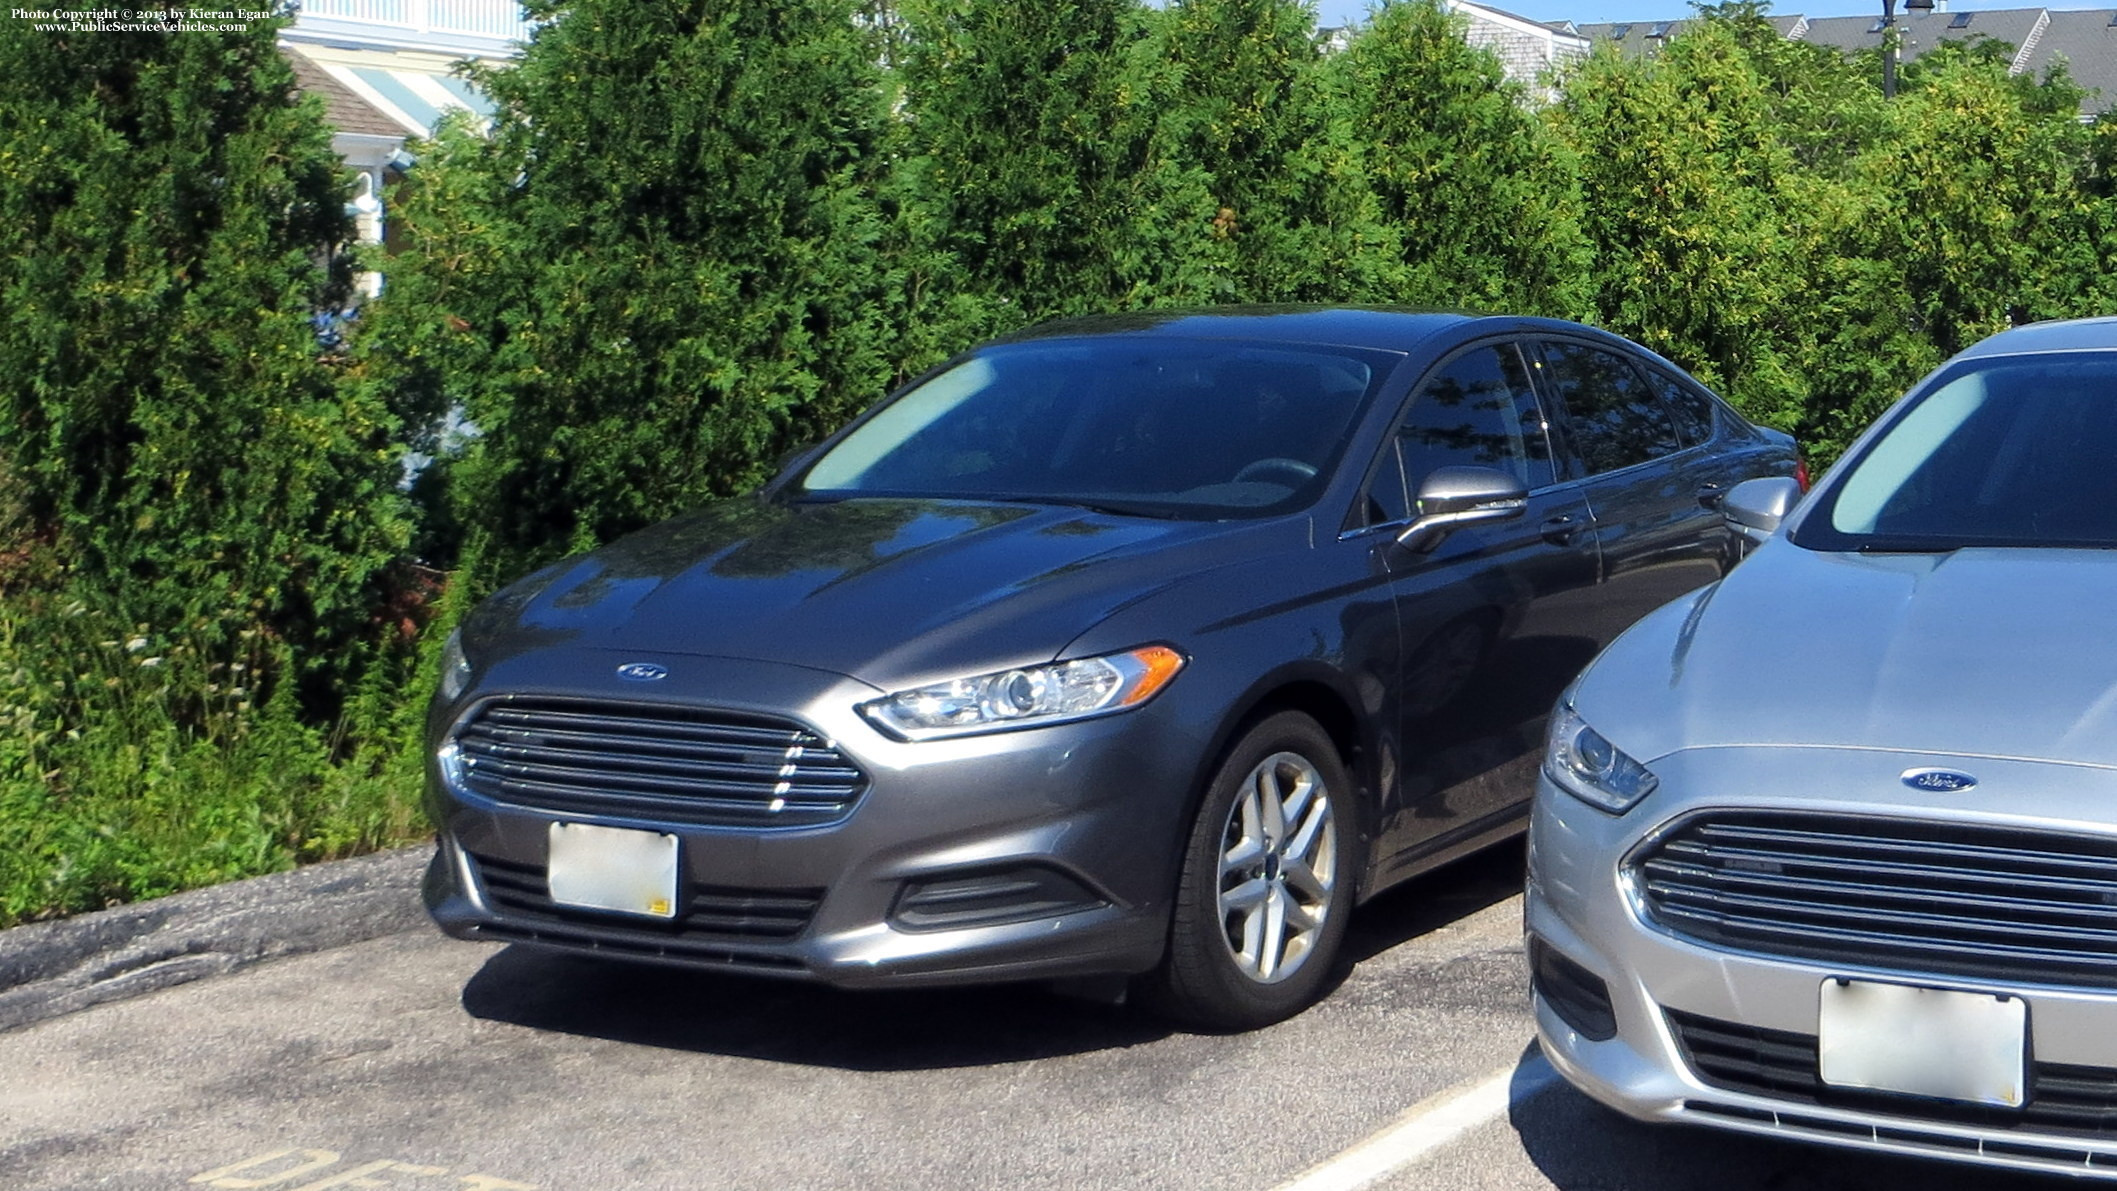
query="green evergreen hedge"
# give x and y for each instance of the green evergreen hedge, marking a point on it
(701, 233)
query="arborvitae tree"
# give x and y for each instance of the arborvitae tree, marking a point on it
(681, 194)
(1480, 196)
(1032, 167)
(1826, 110)
(201, 502)
(1293, 218)
(1965, 210)
(176, 446)
(1685, 177)
(2098, 189)
(1987, 218)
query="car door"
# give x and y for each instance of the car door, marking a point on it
(1493, 621)
(1719, 451)
(1654, 499)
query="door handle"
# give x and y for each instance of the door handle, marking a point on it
(1710, 494)
(1562, 529)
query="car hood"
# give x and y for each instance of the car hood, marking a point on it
(887, 591)
(1981, 652)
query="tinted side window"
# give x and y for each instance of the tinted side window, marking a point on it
(1692, 410)
(1477, 410)
(1614, 419)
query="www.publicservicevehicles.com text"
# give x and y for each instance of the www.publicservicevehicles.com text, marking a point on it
(142, 20)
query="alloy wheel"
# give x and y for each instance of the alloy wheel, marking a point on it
(1278, 867)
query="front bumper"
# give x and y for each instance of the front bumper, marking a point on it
(1662, 989)
(1041, 853)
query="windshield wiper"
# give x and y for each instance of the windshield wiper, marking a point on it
(1910, 546)
(1092, 504)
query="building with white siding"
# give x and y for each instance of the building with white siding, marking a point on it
(386, 72)
(2085, 40)
(1530, 52)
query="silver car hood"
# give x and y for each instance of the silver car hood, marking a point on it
(1984, 652)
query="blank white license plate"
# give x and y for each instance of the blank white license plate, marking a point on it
(610, 868)
(1924, 1042)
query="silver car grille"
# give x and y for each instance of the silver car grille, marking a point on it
(657, 764)
(1995, 903)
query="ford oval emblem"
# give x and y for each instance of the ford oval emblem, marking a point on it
(1938, 781)
(642, 672)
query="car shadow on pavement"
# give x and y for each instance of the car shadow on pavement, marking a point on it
(923, 1029)
(1433, 900)
(1579, 1145)
(788, 1022)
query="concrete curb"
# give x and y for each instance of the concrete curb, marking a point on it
(52, 968)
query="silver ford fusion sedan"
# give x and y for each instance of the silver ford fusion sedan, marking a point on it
(1828, 850)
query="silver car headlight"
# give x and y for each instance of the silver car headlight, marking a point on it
(1580, 761)
(455, 667)
(1031, 697)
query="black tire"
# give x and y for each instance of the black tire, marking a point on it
(1224, 971)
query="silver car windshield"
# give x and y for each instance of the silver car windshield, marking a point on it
(1178, 428)
(2018, 451)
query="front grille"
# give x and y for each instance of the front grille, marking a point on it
(1995, 903)
(714, 913)
(1781, 1065)
(659, 764)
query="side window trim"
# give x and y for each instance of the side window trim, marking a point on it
(1565, 459)
(1645, 375)
(1555, 450)
(1390, 458)
(1387, 464)
(1565, 468)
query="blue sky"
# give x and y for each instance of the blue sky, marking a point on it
(1342, 12)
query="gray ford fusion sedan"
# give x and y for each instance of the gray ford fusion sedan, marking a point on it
(1829, 850)
(1134, 647)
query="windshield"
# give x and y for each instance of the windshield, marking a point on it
(2017, 451)
(1176, 428)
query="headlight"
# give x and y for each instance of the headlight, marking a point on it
(1581, 762)
(455, 667)
(1031, 697)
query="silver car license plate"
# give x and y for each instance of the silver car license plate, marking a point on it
(611, 868)
(1924, 1042)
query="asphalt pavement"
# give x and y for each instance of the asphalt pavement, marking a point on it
(408, 1060)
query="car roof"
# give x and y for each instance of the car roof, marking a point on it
(1388, 328)
(2067, 335)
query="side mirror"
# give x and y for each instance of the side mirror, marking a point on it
(1754, 508)
(1452, 497)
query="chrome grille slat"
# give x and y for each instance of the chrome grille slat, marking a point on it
(619, 780)
(629, 726)
(1997, 903)
(1869, 845)
(641, 755)
(671, 765)
(1865, 943)
(1660, 868)
(2090, 875)
(547, 796)
(1937, 925)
